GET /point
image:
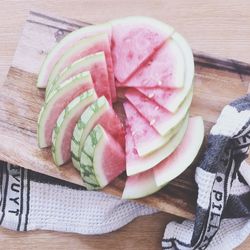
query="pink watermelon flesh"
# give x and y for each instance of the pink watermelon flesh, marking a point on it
(161, 96)
(59, 106)
(144, 135)
(100, 44)
(132, 44)
(64, 45)
(99, 74)
(184, 155)
(113, 159)
(158, 117)
(165, 69)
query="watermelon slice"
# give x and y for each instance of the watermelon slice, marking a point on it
(145, 137)
(60, 98)
(65, 125)
(184, 155)
(100, 112)
(81, 49)
(167, 98)
(140, 185)
(102, 159)
(96, 65)
(159, 118)
(134, 40)
(67, 42)
(165, 69)
(136, 164)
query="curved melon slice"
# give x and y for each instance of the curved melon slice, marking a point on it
(96, 65)
(102, 159)
(145, 137)
(165, 69)
(169, 99)
(100, 112)
(136, 164)
(81, 49)
(60, 98)
(140, 185)
(67, 42)
(159, 118)
(66, 122)
(184, 155)
(134, 40)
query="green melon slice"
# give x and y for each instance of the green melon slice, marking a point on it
(168, 98)
(159, 118)
(134, 40)
(100, 112)
(102, 159)
(81, 49)
(184, 155)
(63, 132)
(60, 98)
(146, 138)
(66, 43)
(96, 65)
(140, 185)
(136, 164)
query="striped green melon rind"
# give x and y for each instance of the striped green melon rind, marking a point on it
(84, 126)
(63, 128)
(60, 97)
(76, 68)
(80, 49)
(66, 43)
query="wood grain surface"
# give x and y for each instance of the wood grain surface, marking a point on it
(207, 26)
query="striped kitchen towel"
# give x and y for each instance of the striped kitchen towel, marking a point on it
(31, 200)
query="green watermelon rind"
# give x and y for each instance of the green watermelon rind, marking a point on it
(91, 175)
(71, 38)
(81, 131)
(80, 79)
(80, 46)
(79, 102)
(62, 76)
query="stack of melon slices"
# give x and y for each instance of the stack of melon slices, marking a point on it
(143, 64)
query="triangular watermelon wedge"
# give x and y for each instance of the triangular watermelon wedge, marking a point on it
(136, 164)
(167, 98)
(81, 49)
(99, 112)
(102, 159)
(146, 138)
(134, 40)
(140, 185)
(184, 155)
(65, 44)
(165, 69)
(96, 65)
(159, 118)
(61, 97)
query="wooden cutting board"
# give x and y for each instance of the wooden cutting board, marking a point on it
(217, 82)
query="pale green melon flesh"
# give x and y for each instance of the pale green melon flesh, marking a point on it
(66, 122)
(60, 98)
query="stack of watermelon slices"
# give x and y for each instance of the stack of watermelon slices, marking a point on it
(142, 68)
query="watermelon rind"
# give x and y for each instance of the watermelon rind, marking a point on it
(75, 68)
(141, 164)
(82, 79)
(85, 125)
(74, 51)
(185, 154)
(68, 41)
(74, 107)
